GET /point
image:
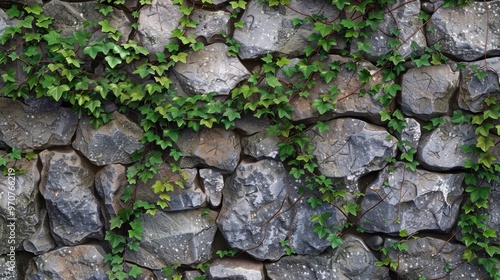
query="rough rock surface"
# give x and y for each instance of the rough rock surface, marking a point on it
(78, 262)
(41, 241)
(248, 124)
(171, 238)
(411, 200)
(258, 193)
(110, 183)
(427, 91)
(351, 260)
(411, 134)
(493, 212)
(210, 70)
(25, 129)
(215, 147)
(474, 90)
(66, 185)
(260, 146)
(210, 24)
(256, 40)
(213, 183)
(222, 269)
(462, 32)
(113, 142)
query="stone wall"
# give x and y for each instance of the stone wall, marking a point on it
(71, 187)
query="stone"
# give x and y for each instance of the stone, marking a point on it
(473, 90)
(351, 148)
(216, 147)
(440, 150)
(411, 200)
(429, 258)
(211, 24)
(210, 70)
(351, 260)
(410, 135)
(260, 146)
(466, 33)
(427, 91)
(222, 269)
(25, 129)
(257, 40)
(110, 184)
(183, 237)
(156, 24)
(67, 186)
(258, 194)
(401, 15)
(249, 125)
(41, 241)
(493, 212)
(191, 275)
(8, 268)
(19, 203)
(112, 142)
(78, 262)
(213, 183)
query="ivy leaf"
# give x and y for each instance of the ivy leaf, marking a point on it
(282, 61)
(52, 38)
(56, 92)
(115, 222)
(113, 61)
(341, 3)
(484, 143)
(182, 56)
(273, 81)
(334, 240)
(135, 270)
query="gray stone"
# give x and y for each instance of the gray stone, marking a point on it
(66, 185)
(214, 147)
(257, 39)
(411, 134)
(258, 194)
(412, 200)
(112, 142)
(25, 129)
(156, 24)
(352, 260)
(213, 183)
(191, 275)
(222, 269)
(78, 262)
(248, 124)
(403, 16)
(183, 237)
(440, 148)
(351, 148)
(19, 204)
(5, 21)
(110, 183)
(211, 24)
(427, 91)
(429, 258)
(8, 268)
(41, 104)
(473, 90)
(493, 212)
(41, 241)
(261, 146)
(467, 33)
(210, 70)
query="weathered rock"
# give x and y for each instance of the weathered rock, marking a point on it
(110, 183)
(191, 275)
(258, 194)
(172, 238)
(493, 212)
(67, 263)
(66, 185)
(412, 200)
(427, 91)
(210, 70)
(261, 146)
(351, 260)
(411, 134)
(429, 258)
(214, 147)
(440, 148)
(113, 142)
(403, 16)
(213, 183)
(222, 269)
(156, 24)
(41, 241)
(210, 24)
(8, 268)
(25, 129)
(256, 39)
(473, 90)
(248, 124)
(351, 148)
(19, 204)
(467, 33)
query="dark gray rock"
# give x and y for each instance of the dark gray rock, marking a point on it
(8, 268)
(191, 275)
(467, 33)
(261, 146)
(25, 129)
(223, 269)
(183, 237)
(78, 262)
(110, 183)
(427, 91)
(248, 124)
(19, 204)
(352, 260)
(213, 183)
(256, 39)
(210, 70)
(412, 200)
(258, 194)
(214, 147)
(473, 90)
(411, 133)
(112, 142)
(493, 212)
(211, 24)
(41, 241)
(66, 185)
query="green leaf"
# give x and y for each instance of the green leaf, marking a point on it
(37, 10)
(115, 222)
(334, 240)
(484, 143)
(113, 61)
(340, 4)
(135, 271)
(282, 61)
(52, 38)
(273, 81)
(56, 92)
